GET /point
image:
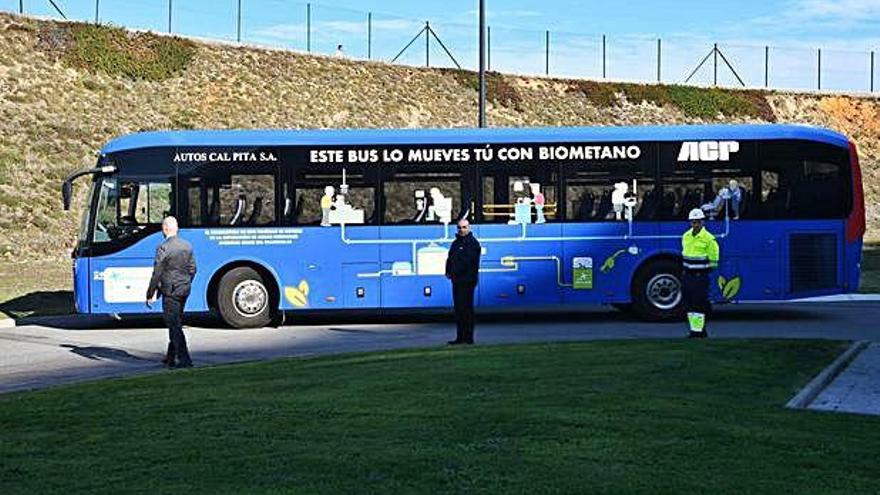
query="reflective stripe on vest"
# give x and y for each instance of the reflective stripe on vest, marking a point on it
(699, 252)
(696, 263)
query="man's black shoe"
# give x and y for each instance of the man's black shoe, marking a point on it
(182, 365)
(455, 342)
(694, 335)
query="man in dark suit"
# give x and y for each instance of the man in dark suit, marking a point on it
(462, 268)
(173, 272)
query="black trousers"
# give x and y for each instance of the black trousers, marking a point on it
(172, 311)
(463, 299)
(695, 290)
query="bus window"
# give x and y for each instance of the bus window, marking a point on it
(248, 200)
(804, 180)
(231, 200)
(420, 197)
(720, 187)
(519, 195)
(333, 198)
(609, 191)
(126, 207)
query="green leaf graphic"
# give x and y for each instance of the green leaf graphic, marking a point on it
(721, 282)
(731, 289)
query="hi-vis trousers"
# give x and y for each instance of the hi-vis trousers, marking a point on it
(695, 290)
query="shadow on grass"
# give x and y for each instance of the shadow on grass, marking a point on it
(41, 303)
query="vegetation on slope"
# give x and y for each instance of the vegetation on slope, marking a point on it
(69, 88)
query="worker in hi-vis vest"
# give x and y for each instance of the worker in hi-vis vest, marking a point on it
(699, 252)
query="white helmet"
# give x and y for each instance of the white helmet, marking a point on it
(696, 214)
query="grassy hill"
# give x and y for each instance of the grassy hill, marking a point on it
(65, 89)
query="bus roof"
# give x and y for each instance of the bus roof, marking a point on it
(333, 137)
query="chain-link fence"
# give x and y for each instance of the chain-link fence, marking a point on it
(322, 29)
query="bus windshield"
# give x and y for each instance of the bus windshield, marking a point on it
(126, 207)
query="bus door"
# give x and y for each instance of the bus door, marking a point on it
(610, 209)
(521, 235)
(125, 235)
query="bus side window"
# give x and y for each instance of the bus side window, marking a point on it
(722, 188)
(416, 197)
(329, 197)
(804, 180)
(519, 195)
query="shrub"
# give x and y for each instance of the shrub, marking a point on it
(134, 55)
(692, 101)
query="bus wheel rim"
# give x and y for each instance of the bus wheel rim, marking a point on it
(664, 291)
(249, 298)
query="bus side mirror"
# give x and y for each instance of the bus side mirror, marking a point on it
(66, 194)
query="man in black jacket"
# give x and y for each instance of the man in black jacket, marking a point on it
(462, 268)
(173, 272)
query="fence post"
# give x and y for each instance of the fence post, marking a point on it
(658, 59)
(238, 30)
(872, 71)
(21, 6)
(547, 53)
(766, 66)
(715, 71)
(819, 71)
(603, 57)
(427, 44)
(309, 28)
(169, 16)
(369, 35)
(97, 8)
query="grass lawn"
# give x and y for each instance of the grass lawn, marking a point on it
(870, 280)
(600, 417)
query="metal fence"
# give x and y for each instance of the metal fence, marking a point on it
(322, 29)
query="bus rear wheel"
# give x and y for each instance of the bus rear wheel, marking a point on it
(656, 291)
(244, 299)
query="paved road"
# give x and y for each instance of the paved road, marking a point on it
(54, 350)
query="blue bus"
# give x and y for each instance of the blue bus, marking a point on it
(289, 220)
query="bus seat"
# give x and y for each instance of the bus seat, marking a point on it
(239, 209)
(691, 200)
(648, 208)
(604, 206)
(666, 209)
(585, 207)
(255, 211)
(214, 212)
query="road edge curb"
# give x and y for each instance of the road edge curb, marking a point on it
(808, 394)
(7, 323)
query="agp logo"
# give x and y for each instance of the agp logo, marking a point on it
(707, 151)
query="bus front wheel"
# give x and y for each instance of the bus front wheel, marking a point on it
(244, 299)
(656, 291)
